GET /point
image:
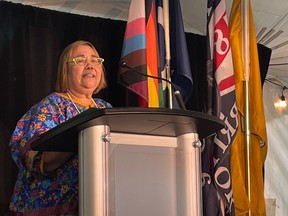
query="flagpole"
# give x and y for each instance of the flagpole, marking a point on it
(246, 61)
(167, 49)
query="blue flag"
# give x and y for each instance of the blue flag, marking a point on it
(180, 64)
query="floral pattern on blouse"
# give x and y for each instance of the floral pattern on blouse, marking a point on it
(33, 190)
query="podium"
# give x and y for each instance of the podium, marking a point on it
(135, 161)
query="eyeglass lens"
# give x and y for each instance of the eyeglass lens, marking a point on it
(82, 61)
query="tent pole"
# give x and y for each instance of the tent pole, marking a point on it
(246, 61)
(167, 49)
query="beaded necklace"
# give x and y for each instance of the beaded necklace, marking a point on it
(76, 107)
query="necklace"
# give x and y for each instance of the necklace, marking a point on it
(76, 107)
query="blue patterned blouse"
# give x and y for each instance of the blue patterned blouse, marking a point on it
(34, 192)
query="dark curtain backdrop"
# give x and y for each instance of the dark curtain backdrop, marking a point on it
(31, 40)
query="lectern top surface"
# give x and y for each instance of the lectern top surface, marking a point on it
(146, 121)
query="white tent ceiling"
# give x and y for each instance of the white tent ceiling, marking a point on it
(270, 18)
(270, 21)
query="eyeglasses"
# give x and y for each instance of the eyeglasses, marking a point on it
(82, 61)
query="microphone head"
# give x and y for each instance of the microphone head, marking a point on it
(122, 64)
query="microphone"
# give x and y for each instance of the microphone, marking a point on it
(177, 93)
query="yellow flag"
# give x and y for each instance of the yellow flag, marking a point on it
(257, 120)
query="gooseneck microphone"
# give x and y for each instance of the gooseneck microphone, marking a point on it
(175, 90)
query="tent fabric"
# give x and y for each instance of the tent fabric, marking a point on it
(276, 170)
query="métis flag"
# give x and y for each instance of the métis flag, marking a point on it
(221, 102)
(257, 123)
(145, 50)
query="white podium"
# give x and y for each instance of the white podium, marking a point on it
(135, 161)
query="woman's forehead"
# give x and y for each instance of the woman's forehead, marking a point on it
(84, 50)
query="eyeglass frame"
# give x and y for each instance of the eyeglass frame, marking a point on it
(86, 60)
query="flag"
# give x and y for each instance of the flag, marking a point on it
(144, 49)
(163, 89)
(221, 102)
(257, 120)
(140, 51)
(180, 64)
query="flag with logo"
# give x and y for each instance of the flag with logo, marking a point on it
(144, 49)
(257, 123)
(221, 102)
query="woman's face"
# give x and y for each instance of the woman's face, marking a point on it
(84, 79)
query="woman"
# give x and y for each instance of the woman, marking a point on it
(47, 182)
